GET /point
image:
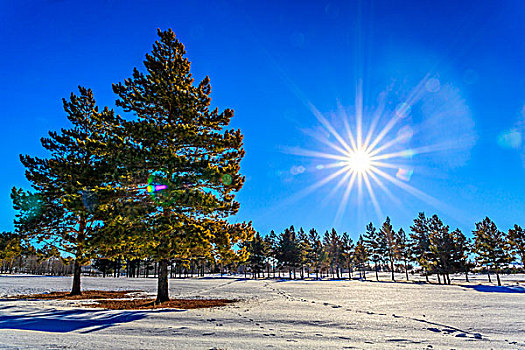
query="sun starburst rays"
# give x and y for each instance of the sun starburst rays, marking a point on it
(363, 159)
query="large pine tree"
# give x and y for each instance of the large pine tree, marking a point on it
(180, 148)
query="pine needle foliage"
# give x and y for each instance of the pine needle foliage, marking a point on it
(177, 142)
(71, 187)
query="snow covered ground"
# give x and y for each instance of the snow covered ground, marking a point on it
(277, 314)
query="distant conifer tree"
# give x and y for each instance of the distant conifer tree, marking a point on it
(361, 256)
(517, 242)
(256, 254)
(403, 249)
(441, 248)
(347, 247)
(288, 252)
(376, 246)
(419, 242)
(460, 255)
(491, 247)
(271, 246)
(389, 235)
(316, 252)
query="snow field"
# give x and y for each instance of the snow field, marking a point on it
(273, 314)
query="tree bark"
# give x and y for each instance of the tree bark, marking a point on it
(377, 275)
(488, 274)
(162, 287)
(392, 267)
(497, 276)
(75, 290)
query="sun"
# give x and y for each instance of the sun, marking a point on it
(360, 161)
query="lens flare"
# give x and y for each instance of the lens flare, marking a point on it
(227, 179)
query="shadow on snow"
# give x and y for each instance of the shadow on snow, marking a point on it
(496, 289)
(63, 321)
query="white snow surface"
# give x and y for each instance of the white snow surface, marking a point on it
(272, 314)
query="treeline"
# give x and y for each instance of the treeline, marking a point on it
(429, 248)
(430, 245)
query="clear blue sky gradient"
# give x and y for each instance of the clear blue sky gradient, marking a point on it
(270, 61)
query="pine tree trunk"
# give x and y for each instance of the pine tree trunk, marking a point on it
(377, 275)
(497, 276)
(406, 269)
(162, 287)
(466, 276)
(392, 267)
(75, 290)
(488, 274)
(439, 278)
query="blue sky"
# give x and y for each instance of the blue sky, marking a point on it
(459, 66)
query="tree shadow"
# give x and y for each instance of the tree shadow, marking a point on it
(496, 289)
(63, 321)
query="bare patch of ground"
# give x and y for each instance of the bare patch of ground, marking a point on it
(113, 300)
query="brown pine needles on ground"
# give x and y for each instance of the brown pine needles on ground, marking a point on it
(109, 300)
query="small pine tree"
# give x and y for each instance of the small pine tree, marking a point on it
(316, 252)
(375, 244)
(419, 243)
(11, 246)
(491, 247)
(256, 254)
(361, 256)
(517, 242)
(270, 242)
(441, 248)
(347, 246)
(288, 253)
(460, 254)
(389, 235)
(403, 249)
